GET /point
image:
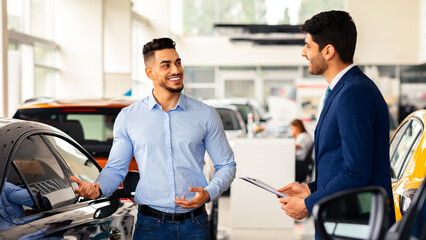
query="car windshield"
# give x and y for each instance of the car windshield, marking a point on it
(91, 127)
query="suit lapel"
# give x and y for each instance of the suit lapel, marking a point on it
(329, 100)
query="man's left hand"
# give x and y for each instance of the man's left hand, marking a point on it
(294, 207)
(201, 196)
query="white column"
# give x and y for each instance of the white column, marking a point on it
(422, 30)
(3, 60)
(117, 47)
(79, 33)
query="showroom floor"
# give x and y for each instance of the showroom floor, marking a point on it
(302, 231)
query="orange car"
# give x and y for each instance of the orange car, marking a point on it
(408, 160)
(88, 121)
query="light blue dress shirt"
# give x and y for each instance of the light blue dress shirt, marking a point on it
(169, 149)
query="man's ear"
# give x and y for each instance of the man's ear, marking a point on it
(148, 72)
(328, 52)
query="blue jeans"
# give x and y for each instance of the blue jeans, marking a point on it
(194, 228)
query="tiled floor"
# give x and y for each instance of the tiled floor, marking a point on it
(302, 231)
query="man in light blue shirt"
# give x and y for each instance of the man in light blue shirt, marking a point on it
(168, 134)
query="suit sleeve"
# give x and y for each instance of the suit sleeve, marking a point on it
(356, 114)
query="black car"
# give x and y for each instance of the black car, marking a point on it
(37, 198)
(363, 214)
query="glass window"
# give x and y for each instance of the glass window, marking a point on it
(199, 16)
(91, 127)
(418, 227)
(403, 146)
(229, 119)
(199, 75)
(43, 172)
(17, 201)
(200, 93)
(80, 165)
(239, 88)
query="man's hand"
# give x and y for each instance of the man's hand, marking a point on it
(296, 190)
(294, 207)
(87, 189)
(201, 196)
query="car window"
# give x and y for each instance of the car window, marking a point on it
(80, 165)
(17, 201)
(244, 111)
(43, 172)
(229, 119)
(91, 127)
(403, 146)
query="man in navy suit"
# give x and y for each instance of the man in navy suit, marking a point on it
(352, 134)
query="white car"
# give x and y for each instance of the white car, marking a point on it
(245, 106)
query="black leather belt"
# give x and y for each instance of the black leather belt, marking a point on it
(174, 217)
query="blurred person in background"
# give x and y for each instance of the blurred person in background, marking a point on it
(304, 145)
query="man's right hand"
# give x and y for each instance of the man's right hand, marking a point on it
(86, 189)
(296, 190)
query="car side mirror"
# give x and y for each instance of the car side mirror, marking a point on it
(107, 210)
(353, 214)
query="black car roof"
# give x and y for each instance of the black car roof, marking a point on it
(11, 130)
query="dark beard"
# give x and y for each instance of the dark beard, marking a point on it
(174, 90)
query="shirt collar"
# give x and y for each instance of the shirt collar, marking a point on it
(339, 76)
(181, 103)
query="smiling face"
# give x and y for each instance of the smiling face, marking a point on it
(166, 71)
(317, 63)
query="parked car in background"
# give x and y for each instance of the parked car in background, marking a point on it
(363, 214)
(246, 107)
(37, 197)
(233, 123)
(89, 121)
(408, 160)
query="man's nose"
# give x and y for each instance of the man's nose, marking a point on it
(176, 69)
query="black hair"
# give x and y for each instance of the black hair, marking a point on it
(336, 28)
(156, 44)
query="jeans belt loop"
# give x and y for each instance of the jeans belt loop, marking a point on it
(192, 216)
(163, 217)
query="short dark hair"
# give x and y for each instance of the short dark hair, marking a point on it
(156, 44)
(336, 28)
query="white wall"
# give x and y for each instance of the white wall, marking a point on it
(422, 52)
(199, 51)
(3, 60)
(388, 31)
(78, 31)
(117, 47)
(117, 27)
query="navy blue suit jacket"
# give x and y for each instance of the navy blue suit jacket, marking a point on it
(352, 139)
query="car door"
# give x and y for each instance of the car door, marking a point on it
(403, 164)
(42, 164)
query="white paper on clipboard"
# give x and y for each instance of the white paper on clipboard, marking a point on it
(263, 185)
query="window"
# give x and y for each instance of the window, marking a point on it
(20, 201)
(43, 172)
(200, 82)
(79, 163)
(403, 146)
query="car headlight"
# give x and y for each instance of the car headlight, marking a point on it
(405, 200)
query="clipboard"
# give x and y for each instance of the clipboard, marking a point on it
(263, 185)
